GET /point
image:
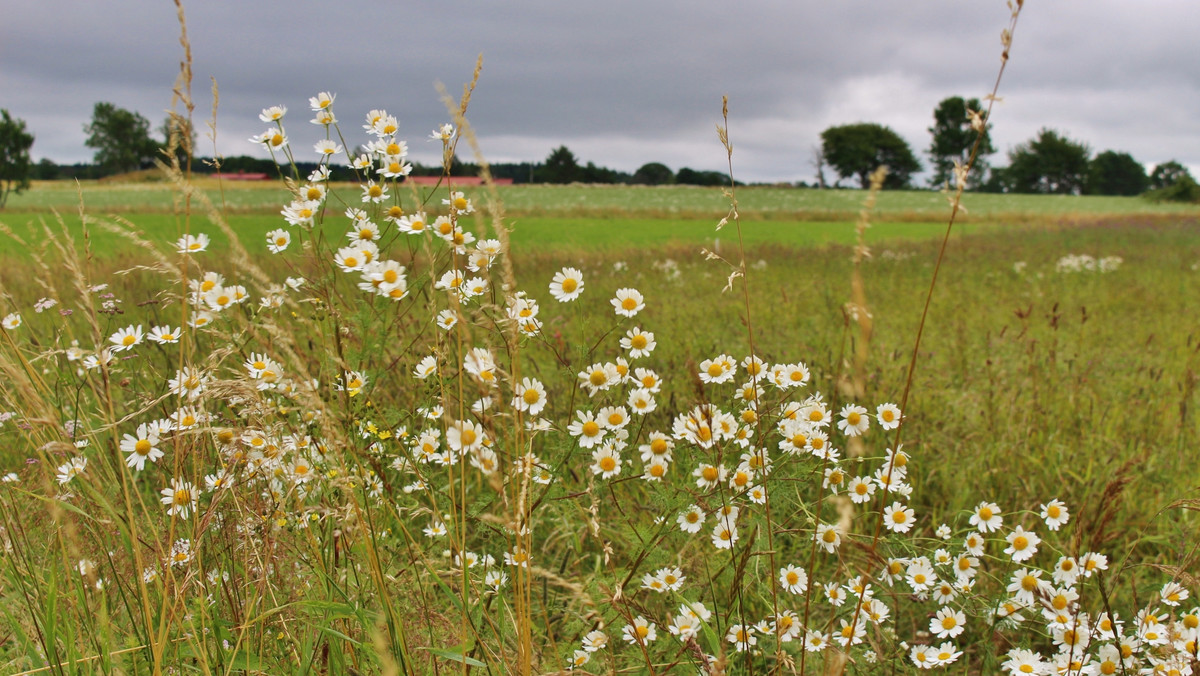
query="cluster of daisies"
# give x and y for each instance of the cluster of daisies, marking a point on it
(758, 418)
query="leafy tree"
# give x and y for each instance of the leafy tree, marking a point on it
(687, 176)
(1172, 182)
(858, 149)
(1113, 173)
(121, 138)
(953, 139)
(653, 173)
(560, 166)
(1168, 174)
(1050, 163)
(15, 164)
(45, 170)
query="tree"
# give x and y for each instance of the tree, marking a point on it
(560, 167)
(953, 138)
(121, 138)
(15, 164)
(858, 149)
(1050, 163)
(1172, 182)
(1113, 173)
(653, 173)
(686, 176)
(1168, 174)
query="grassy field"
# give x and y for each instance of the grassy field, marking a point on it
(1032, 383)
(610, 201)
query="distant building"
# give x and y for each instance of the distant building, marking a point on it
(242, 176)
(456, 180)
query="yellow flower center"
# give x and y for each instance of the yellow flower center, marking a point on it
(460, 203)
(985, 514)
(1029, 583)
(854, 418)
(899, 516)
(792, 578)
(591, 428)
(657, 471)
(1053, 511)
(628, 304)
(638, 342)
(142, 447)
(830, 536)
(949, 622)
(888, 415)
(531, 396)
(468, 436)
(658, 446)
(709, 473)
(1020, 542)
(598, 378)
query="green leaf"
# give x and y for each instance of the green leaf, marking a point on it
(457, 657)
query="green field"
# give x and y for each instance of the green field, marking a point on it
(601, 200)
(1032, 383)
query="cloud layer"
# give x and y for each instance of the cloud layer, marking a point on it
(620, 82)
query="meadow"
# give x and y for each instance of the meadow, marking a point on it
(255, 430)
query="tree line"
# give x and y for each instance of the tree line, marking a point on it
(1049, 163)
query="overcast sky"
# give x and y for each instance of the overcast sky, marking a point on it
(620, 82)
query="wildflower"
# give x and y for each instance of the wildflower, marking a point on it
(987, 517)
(142, 447)
(464, 436)
(589, 430)
(720, 369)
(71, 469)
(627, 302)
(606, 462)
(426, 367)
(180, 497)
(1022, 661)
(685, 626)
(1173, 593)
(920, 575)
(1092, 562)
(923, 657)
(126, 338)
(641, 632)
(828, 537)
(188, 383)
(793, 579)
(594, 641)
(1026, 583)
(639, 343)
(741, 636)
(725, 534)
(578, 659)
(834, 593)
(529, 396)
(948, 623)
(1055, 514)
(860, 489)
(691, 519)
(458, 202)
(272, 114)
(273, 139)
(898, 518)
(1022, 544)
(854, 420)
(164, 334)
(517, 557)
(567, 285)
(321, 101)
(888, 416)
(815, 641)
(973, 543)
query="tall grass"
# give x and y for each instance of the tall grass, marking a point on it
(409, 451)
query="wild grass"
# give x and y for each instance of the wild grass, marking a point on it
(348, 482)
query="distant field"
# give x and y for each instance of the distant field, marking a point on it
(529, 233)
(612, 201)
